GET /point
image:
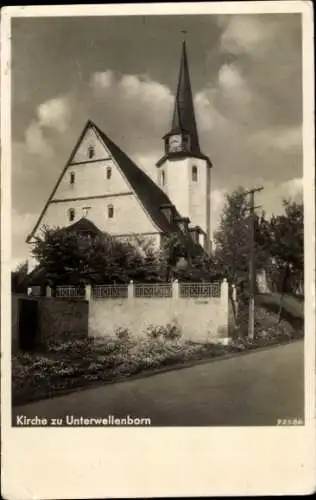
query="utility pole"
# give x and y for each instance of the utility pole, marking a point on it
(252, 267)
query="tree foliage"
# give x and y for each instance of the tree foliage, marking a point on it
(232, 239)
(17, 277)
(69, 257)
(285, 240)
(181, 259)
(278, 241)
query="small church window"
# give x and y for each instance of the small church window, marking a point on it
(108, 173)
(91, 152)
(163, 179)
(71, 214)
(186, 142)
(72, 177)
(110, 211)
(194, 173)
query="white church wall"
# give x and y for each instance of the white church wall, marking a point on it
(91, 179)
(128, 218)
(176, 184)
(89, 139)
(198, 205)
(191, 197)
(93, 176)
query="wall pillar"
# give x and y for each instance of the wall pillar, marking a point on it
(225, 310)
(235, 303)
(130, 290)
(48, 292)
(224, 291)
(175, 289)
(88, 292)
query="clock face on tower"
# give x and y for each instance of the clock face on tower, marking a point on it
(175, 143)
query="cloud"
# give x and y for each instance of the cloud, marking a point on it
(55, 114)
(38, 159)
(217, 205)
(148, 163)
(274, 193)
(229, 77)
(244, 34)
(22, 224)
(292, 189)
(36, 143)
(134, 95)
(283, 139)
(102, 80)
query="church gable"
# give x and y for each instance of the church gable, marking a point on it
(100, 176)
(90, 186)
(90, 148)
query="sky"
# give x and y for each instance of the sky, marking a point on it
(121, 72)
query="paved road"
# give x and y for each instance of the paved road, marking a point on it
(255, 389)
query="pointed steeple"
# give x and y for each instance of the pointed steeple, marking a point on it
(182, 140)
(183, 120)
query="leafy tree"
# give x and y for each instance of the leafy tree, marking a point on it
(69, 257)
(181, 259)
(285, 239)
(232, 240)
(18, 276)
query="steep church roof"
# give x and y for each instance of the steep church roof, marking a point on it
(183, 114)
(147, 191)
(84, 226)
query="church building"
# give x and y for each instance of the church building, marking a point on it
(102, 184)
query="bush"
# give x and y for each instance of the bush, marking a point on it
(172, 332)
(122, 333)
(155, 331)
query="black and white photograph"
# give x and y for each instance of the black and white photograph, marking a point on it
(157, 268)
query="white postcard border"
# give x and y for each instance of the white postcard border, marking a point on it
(83, 463)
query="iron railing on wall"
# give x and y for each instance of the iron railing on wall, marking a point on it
(161, 290)
(199, 290)
(143, 290)
(110, 291)
(70, 292)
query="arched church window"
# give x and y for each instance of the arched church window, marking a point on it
(108, 173)
(110, 211)
(194, 173)
(71, 214)
(91, 152)
(72, 177)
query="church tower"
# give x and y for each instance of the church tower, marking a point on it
(184, 173)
